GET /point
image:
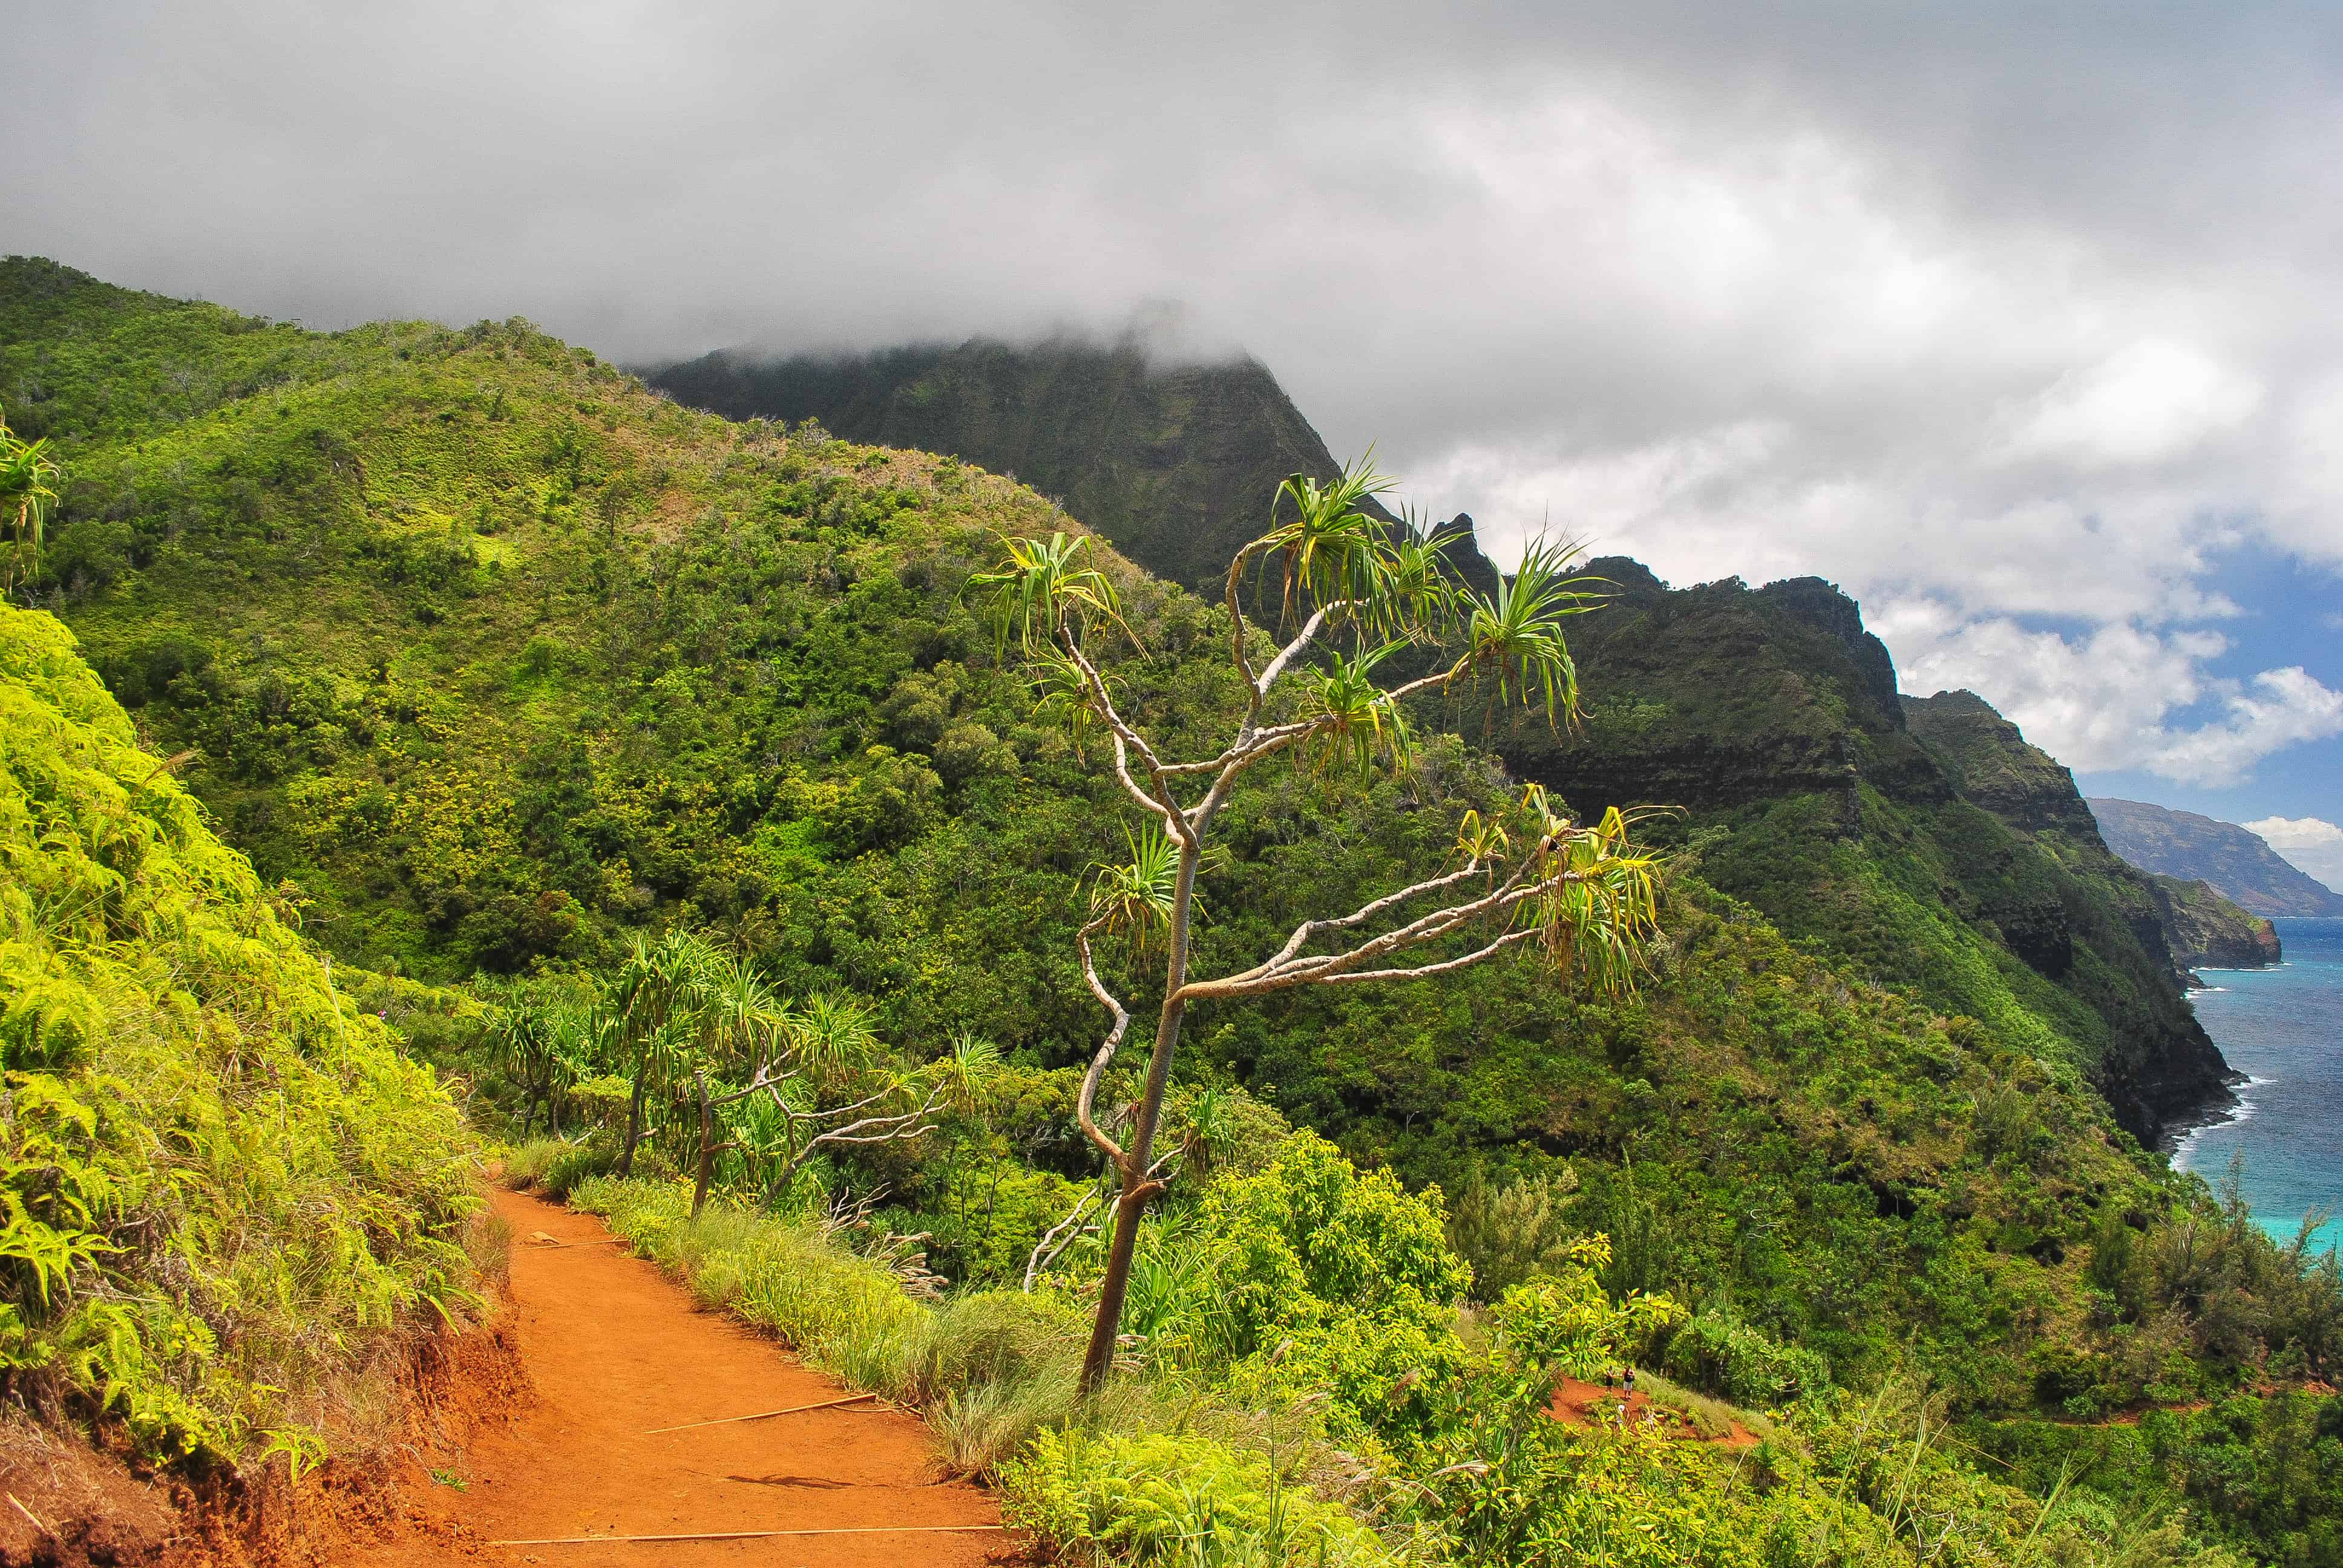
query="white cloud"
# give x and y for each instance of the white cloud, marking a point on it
(2149, 402)
(2005, 313)
(2119, 697)
(2314, 845)
(2298, 833)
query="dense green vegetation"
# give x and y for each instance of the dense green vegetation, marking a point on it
(498, 663)
(229, 1200)
(1304, 1392)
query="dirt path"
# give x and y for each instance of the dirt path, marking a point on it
(615, 1349)
(1578, 1404)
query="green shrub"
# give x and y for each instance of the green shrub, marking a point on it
(225, 1188)
(1714, 1351)
(1158, 1499)
(556, 1166)
(1506, 1233)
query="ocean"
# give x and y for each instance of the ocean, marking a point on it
(2283, 1028)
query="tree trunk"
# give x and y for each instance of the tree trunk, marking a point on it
(1098, 1362)
(707, 1145)
(633, 1127)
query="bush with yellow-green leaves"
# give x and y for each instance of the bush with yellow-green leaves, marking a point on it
(223, 1190)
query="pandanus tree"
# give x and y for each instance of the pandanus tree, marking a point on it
(28, 479)
(1524, 879)
(520, 1040)
(813, 1085)
(661, 992)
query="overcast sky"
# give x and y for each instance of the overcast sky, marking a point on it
(2022, 323)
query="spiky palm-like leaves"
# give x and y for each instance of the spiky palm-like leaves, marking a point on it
(1132, 901)
(661, 986)
(1360, 725)
(1046, 584)
(1329, 551)
(747, 1020)
(831, 1036)
(973, 1058)
(1599, 908)
(1515, 634)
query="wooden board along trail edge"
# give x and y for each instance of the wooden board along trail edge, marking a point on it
(765, 1415)
(758, 1534)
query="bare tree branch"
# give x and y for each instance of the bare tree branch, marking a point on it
(1127, 741)
(1290, 651)
(1060, 1236)
(1292, 968)
(1447, 966)
(886, 1128)
(1084, 1101)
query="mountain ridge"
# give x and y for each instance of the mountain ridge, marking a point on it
(2232, 860)
(1795, 713)
(1171, 461)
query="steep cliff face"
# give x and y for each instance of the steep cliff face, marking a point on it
(1991, 764)
(1174, 463)
(1925, 842)
(2234, 861)
(2207, 932)
(1718, 696)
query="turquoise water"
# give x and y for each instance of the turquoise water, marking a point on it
(2283, 1028)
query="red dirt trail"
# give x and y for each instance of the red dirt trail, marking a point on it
(615, 1349)
(1577, 1404)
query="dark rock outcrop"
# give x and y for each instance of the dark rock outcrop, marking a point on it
(1923, 840)
(1175, 463)
(2207, 932)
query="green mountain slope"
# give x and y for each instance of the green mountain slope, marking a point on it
(2233, 861)
(1173, 463)
(231, 1203)
(499, 657)
(1923, 842)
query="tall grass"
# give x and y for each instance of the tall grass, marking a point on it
(554, 1166)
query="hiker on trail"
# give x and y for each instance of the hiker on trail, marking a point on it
(1630, 1378)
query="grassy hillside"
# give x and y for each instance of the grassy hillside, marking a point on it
(1173, 463)
(498, 659)
(230, 1201)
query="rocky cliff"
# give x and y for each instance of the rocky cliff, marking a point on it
(2233, 861)
(1175, 463)
(2207, 932)
(1922, 841)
